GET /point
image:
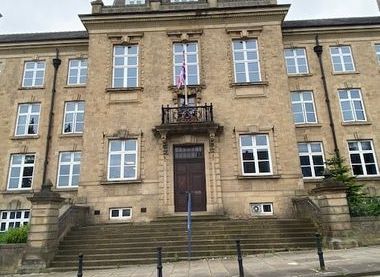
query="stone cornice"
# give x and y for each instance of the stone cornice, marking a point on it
(43, 44)
(331, 30)
(277, 12)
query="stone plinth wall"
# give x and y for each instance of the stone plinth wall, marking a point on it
(10, 257)
(367, 229)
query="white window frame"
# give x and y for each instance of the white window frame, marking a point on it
(296, 59)
(22, 166)
(126, 66)
(28, 115)
(34, 71)
(182, 1)
(121, 217)
(246, 61)
(134, 2)
(341, 56)
(75, 115)
(175, 54)
(22, 220)
(377, 50)
(303, 104)
(71, 165)
(310, 154)
(122, 152)
(361, 153)
(353, 109)
(81, 67)
(255, 148)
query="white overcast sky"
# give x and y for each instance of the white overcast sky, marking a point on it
(25, 16)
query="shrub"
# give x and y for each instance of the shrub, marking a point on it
(17, 235)
(358, 202)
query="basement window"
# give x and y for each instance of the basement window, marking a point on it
(120, 213)
(261, 209)
(13, 219)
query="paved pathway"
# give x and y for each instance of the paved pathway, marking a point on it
(351, 262)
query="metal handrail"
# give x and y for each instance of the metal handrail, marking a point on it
(187, 114)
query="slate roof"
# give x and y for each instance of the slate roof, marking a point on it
(35, 37)
(297, 24)
(332, 22)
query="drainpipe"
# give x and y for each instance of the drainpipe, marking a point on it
(56, 64)
(318, 49)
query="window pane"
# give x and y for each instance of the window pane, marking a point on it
(306, 172)
(116, 145)
(248, 155)
(264, 167)
(305, 160)
(261, 140)
(371, 169)
(246, 140)
(249, 167)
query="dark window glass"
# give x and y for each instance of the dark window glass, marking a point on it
(12, 215)
(358, 170)
(249, 167)
(371, 169)
(115, 213)
(4, 216)
(306, 172)
(126, 212)
(304, 160)
(267, 208)
(264, 167)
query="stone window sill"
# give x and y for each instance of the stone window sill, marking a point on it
(73, 189)
(31, 88)
(123, 182)
(25, 192)
(357, 123)
(313, 180)
(122, 90)
(75, 86)
(25, 137)
(245, 177)
(368, 178)
(309, 125)
(249, 84)
(77, 135)
(345, 73)
(300, 75)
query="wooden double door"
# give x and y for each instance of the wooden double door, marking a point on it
(189, 176)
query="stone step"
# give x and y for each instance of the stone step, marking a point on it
(195, 231)
(120, 244)
(127, 237)
(159, 225)
(167, 257)
(123, 247)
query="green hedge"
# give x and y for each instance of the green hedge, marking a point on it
(364, 206)
(15, 235)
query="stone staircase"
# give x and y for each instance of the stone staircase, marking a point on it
(113, 245)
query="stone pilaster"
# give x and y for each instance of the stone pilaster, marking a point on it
(335, 216)
(213, 3)
(155, 4)
(43, 234)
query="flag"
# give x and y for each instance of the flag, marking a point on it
(181, 78)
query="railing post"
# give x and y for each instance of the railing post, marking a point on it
(189, 227)
(80, 265)
(159, 262)
(211, 113)
(162, 115)
(240, 259)
(206, 112)
(320, 252)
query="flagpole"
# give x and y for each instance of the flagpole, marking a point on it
(186, 102)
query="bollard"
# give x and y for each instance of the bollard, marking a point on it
(320, 252)
(159, 262)
(240, 259)
(80, 265)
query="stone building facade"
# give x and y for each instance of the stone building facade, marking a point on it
(122, 142)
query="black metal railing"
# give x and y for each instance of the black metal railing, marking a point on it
(187, 114)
